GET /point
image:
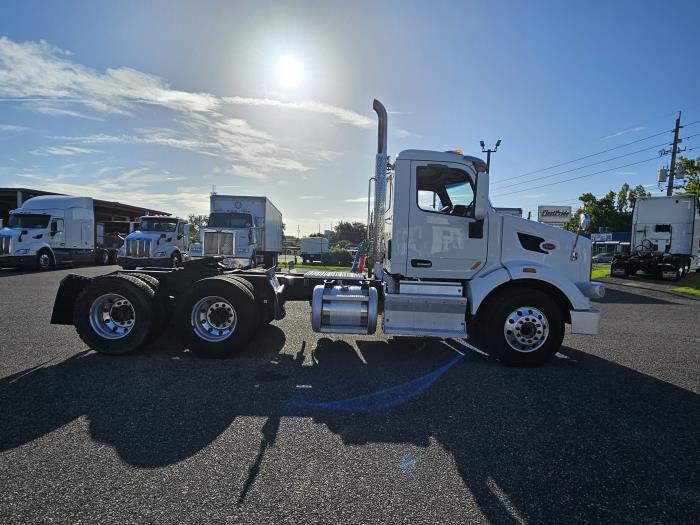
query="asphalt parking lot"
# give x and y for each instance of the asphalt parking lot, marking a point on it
(301, 428)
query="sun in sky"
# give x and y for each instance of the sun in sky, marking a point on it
(289, 71)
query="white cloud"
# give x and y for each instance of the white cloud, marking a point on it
(357, 199)
(624, 132)
(344, 115)
(311, 197)
(38, 70)
(63, 151)
(56, 110)
(11, 128)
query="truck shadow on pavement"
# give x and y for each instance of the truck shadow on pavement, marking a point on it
(579, 439)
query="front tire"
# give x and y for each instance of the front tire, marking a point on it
(217, 316)
(175, 260)
(114, 314)
(45, 260)
(523, 327)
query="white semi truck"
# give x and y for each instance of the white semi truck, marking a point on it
(245, 229)
(665, 238)
(312, 248)
(54, 230)
(456, 269)
(161, 241)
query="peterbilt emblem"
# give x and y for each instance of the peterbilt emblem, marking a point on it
(548, 246)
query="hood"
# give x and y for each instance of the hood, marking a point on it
(15, 233)
(525, 240)
(153, 236)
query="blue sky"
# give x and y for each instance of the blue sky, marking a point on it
(152, 103)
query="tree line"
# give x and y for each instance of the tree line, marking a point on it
(614, 209)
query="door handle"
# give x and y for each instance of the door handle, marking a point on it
(421, 263)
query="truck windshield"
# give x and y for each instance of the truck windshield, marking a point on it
(230, 220)
(28, 220)
(158, 225)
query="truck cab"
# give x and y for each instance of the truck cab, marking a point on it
(47, 231)
(233, 235)
(160, 241)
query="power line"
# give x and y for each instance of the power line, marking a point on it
(586, 165)
(586, 156)
(580, 176)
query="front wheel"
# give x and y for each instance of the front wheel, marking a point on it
(45, 261)
(524, 327)
(175, 260)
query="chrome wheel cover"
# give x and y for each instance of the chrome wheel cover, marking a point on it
(526, 329)
(213, 319)
(112, 316)
(45, 261)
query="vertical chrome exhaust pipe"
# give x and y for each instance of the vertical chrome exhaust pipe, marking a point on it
(380, 177)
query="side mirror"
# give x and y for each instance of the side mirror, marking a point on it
(481, 200)
(584, 222)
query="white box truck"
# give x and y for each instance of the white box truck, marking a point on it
(665, 238)
(312, 248)
(244, 229)
(54, 230)
(161, 241)
(460, 270)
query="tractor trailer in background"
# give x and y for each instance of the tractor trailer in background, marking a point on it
(665, 238)
(55, 230)
(458, 270)
(313, 248)
(243, 229)
(161, 241)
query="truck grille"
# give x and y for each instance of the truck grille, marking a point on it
(218, 243)
(138, 248)
(5, 245)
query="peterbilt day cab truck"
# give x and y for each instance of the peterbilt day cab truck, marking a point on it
(444, 264)
(665, 238)
(244, 229)
(54, 230)
(161, 241)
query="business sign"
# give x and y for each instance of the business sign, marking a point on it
(554, 215)
(601, 237)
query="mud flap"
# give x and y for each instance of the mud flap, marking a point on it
(71, 286)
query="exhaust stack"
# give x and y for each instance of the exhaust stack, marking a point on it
(376, 227)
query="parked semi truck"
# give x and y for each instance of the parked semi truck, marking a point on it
(312, 248)
(454, 270)
(54, 230)
(161, 241)
(665, 238)
(244, 229)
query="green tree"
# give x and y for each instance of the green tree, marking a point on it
(353, 233)
(691, 181)
(612, 210)
(196, 222)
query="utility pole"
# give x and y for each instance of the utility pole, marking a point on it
(488, 153)
(674, 151)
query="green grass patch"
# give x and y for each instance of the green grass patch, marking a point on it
(691, 285)
(600, 271)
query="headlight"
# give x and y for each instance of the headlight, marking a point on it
(160, 254)
(23, 251)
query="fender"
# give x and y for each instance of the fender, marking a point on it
(482, 285)
(551, 276)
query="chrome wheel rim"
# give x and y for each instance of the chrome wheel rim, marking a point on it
(526, 329)
(112, 316)
(44, 261)
(213, 319)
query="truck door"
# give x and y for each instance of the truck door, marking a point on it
(444, 239)
(57, 237)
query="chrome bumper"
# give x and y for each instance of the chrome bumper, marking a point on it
(586, 322)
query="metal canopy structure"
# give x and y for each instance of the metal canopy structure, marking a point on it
(12, 198)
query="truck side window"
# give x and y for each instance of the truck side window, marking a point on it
(56, 225)
(181, 229)
(442, 189)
